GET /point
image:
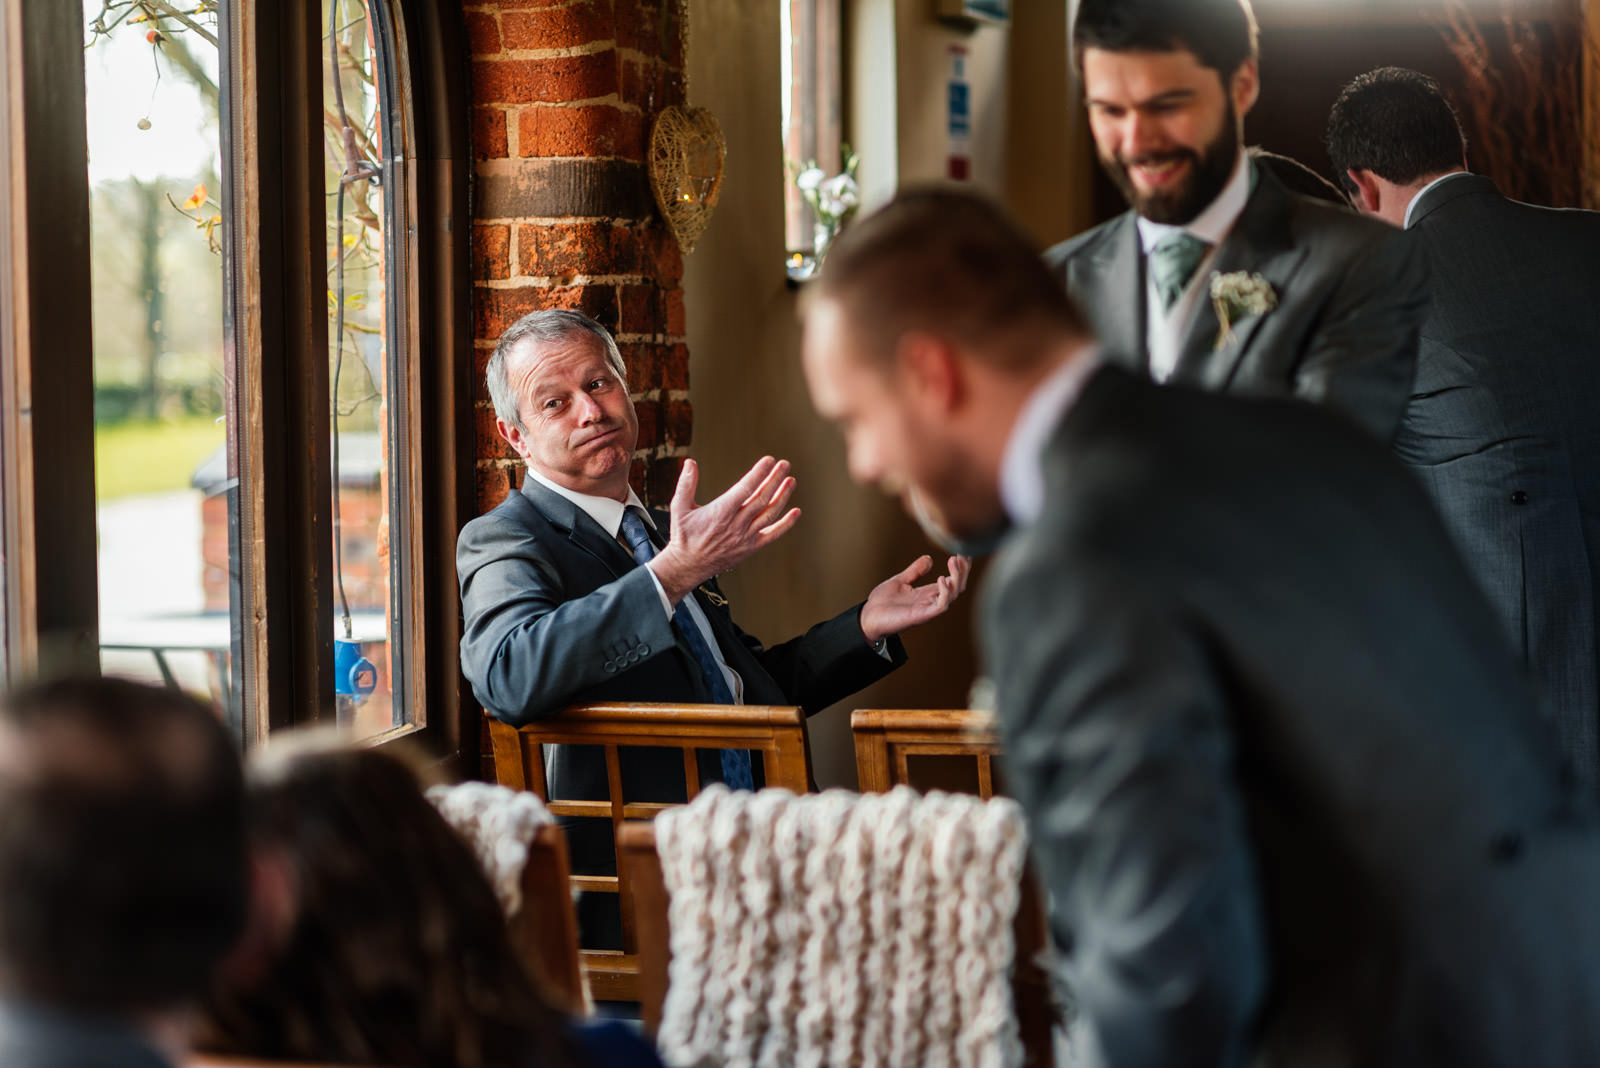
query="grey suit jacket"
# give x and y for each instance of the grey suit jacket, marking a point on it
(32, 1037)
(1351, 293)
(1278, 763)
(1504, 428)
(557, 613)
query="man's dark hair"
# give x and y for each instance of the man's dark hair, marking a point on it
(1222, 34)
(1397, 124)
(949, 263)
(123, 873)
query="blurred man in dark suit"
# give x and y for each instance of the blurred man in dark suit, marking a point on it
(1218, 276)
(1504, 426)
(123, 872)
(1278, 763)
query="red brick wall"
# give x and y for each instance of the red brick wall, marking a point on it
(564, 97)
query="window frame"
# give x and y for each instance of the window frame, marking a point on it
(276, 333)
(276, 276)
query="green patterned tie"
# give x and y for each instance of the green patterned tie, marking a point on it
(1172, 264)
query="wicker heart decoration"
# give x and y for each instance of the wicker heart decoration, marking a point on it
(686, 155)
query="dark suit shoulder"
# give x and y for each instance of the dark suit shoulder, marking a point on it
(1057, 255)
(488, 537)
(1318, 222)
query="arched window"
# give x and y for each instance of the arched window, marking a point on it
(316, 430)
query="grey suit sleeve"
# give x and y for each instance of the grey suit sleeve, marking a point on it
(525, 647)
(1118, 746)
(1362, 358)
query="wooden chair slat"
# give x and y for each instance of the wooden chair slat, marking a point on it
(887, 739)
(775, 733)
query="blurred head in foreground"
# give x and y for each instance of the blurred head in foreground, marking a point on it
(123, 872)
(385, 944)
(929, 326)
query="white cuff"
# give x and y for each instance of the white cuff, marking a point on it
(666, 605)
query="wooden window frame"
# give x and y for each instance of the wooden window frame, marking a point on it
(278, 391)
(816, 105)
(272, 130)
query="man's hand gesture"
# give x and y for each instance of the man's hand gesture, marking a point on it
(707, 540)
(897, 604)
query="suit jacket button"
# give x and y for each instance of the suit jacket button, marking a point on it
(644, 650)
(610, 665)
(1519, 498)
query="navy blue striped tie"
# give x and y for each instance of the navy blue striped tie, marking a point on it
(735, 762)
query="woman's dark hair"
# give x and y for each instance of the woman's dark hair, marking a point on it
(1222, 34)
(398, 953)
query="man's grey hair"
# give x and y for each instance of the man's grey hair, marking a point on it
(541, 327)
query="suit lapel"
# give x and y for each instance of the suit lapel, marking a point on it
(1259, 243)
(1108, 283)
(582, 531)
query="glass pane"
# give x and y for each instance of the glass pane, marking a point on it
(361, 365)
(164, 500)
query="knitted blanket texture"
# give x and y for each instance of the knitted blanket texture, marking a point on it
(498, 823)
(841, 929)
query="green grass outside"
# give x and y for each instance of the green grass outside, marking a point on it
(141, 457)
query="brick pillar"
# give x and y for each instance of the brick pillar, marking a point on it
(564, 95)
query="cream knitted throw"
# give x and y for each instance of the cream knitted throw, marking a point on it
(498, 823)
(841, 929)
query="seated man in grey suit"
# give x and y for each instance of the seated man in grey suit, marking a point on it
(1504, 426)
(1218, 276)
(572, 592)
(1278, 764)
(123, 872)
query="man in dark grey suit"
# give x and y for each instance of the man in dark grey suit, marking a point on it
(123, 872)
(1503, 428)
(1278, 763)
(559, 610)
(1219, 277)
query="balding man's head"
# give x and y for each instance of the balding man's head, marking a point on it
(123, 878)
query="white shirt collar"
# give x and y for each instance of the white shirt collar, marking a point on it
(1411, 208)
(1212, 224)
(603, 510)
(1022, 489)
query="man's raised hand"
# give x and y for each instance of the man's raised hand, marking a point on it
(707, 540)
(897, 604)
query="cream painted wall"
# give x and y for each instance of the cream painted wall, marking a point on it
(746, 385)
(749, 396)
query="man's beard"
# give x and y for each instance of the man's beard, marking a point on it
(975, 545)
(1209, 171)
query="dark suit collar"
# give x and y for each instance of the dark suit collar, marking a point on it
(1108, 282)
(1261, 242)
(1467, 185)
(581, 530)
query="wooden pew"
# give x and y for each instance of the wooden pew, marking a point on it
(1031, 993)
(545, 929)
(889, 739)
(776, 733)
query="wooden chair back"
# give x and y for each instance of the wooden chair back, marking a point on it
(889, 739)
(775, 732)
(1030, 984)
(545, 930)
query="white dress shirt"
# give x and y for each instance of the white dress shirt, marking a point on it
(1411, 208)
(1022, 488)
(608, 513)
(1164, 330)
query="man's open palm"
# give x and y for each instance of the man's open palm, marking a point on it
(898, 603)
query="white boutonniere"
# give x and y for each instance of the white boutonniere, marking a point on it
(1237, 295)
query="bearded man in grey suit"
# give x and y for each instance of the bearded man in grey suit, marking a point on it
(1278, 764)
(1504, 427)
(1219, 277)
